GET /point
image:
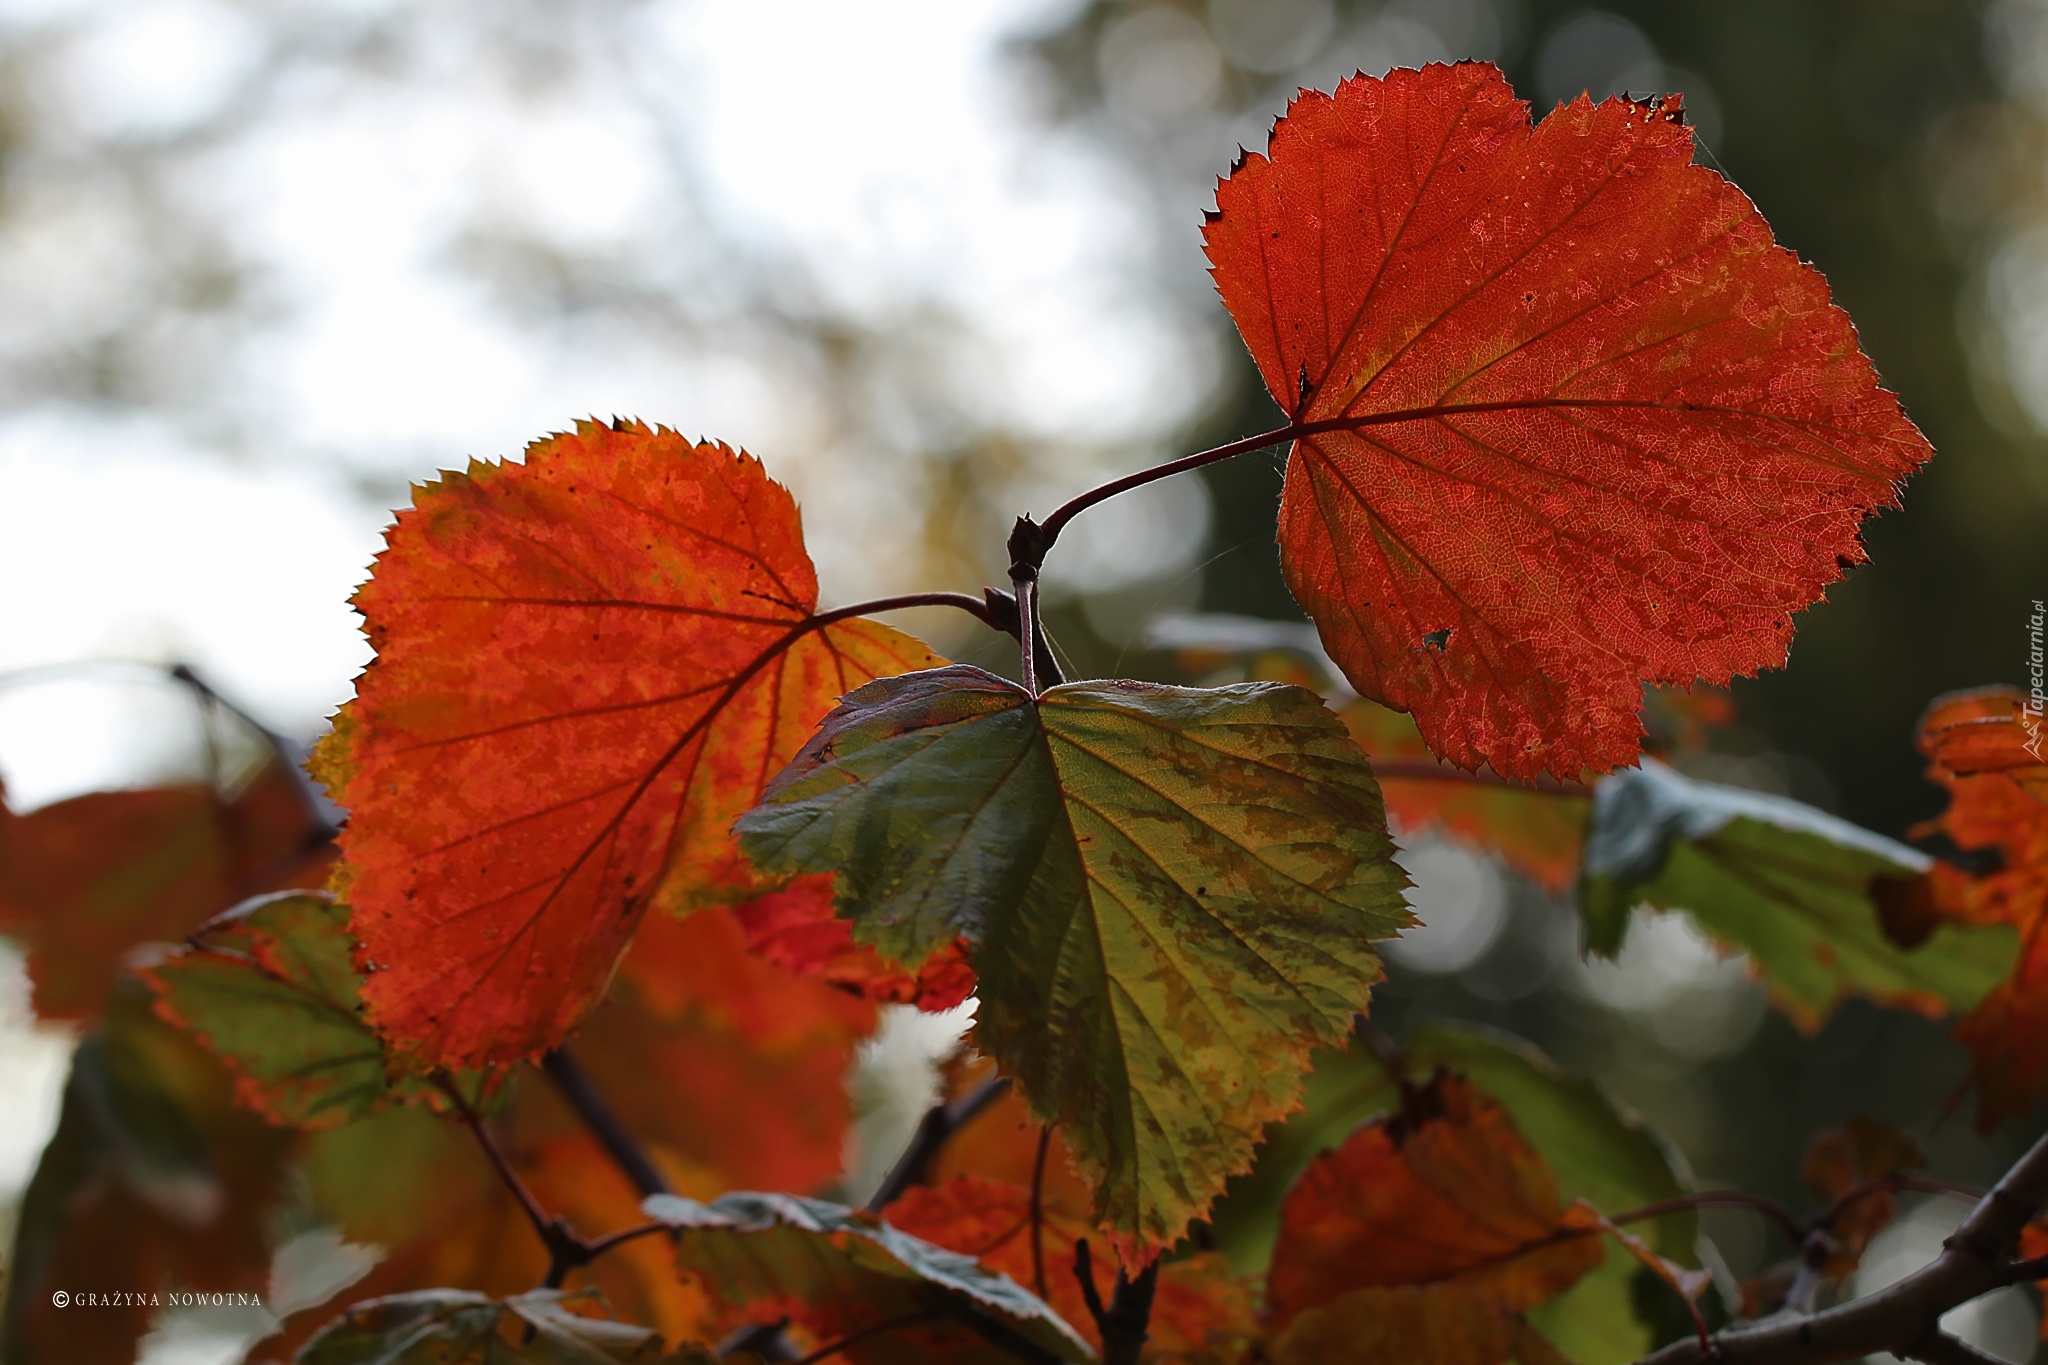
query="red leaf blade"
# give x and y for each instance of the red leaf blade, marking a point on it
(1576, 422)
(587, 665)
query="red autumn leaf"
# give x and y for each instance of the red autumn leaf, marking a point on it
(1541, 834)
(1199, 1304)
(587, 666)
(86, 880)
(1574, 422)
(731, 1069)
(1446, 1191)
(1986, 749)
(796, 928)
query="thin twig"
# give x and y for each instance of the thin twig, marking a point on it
(565, 1249)
(874, 1330)
(1296, 430)
(598, 1246)
(964, 601)
(939, 1124)
(603, 1122)
(1038, 1211)
(1073, 507)
(1710, 1198)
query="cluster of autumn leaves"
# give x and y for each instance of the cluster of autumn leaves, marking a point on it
(621, 800)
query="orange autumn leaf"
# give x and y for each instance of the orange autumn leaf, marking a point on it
(1844, 1159)
(1445, 1192)
(1986, 749)
(730, 1069)
(1573, 422)
(797, 928)
(1540, 834)
(2033, 1246)
(85, 881)
(1199, 1305)
(587, 665)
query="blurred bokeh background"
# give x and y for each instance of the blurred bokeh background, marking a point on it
(262, 265)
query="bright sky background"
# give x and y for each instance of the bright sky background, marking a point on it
(880, 150)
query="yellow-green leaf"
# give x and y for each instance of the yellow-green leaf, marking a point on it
(841, 1272)
(1171, 893)
(1786, 883)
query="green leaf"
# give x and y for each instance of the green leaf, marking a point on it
(841, 1271)
(1171, 893)
(456, 1327)
(1788, 884)
(271, 989)
(1599, 1153)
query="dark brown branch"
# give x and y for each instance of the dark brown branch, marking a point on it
(1904, 1317)
(604, 1124)
(2019, 1272)
(939, 1123)
(1939, 1348)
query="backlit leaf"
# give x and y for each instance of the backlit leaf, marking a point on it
(1577, 423)
(587, 664)
(797, 929)
(1842, 1160)
(1538, 833)
(1171, 895)
(730, 1069)
(839, 1271)
(1986, 748)
(1444, 1192)
(270, 989)
(1597, 1152)
(1790, 885)
(84, 881)
(1200, 1306)
(456, 1327)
